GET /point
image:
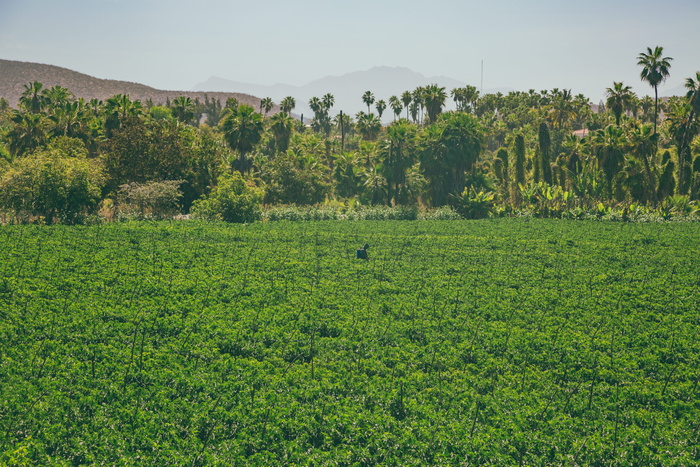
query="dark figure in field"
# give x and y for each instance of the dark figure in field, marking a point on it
(362, 252)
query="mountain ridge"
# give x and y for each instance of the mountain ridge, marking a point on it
(15, 74)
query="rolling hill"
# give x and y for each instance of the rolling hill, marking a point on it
(14, 75)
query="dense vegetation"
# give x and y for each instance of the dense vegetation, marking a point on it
(491, 342)
(546, 153)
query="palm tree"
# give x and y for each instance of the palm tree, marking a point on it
(381, 107)
(643, 143)
(396, 106)
(406, 99)
(266, 104)
(242, 131)
(55, 97)
(183, 109)
(434, 101)
(118, 108)
(397, 154)
(32, 99)
(368, 125)
(288, 104)
(610, 145)
(281, 126)
(693, 94)
(368, 99)
(655, 70)
(29, 132)
(619, 98)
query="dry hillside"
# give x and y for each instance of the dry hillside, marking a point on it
(14, 75)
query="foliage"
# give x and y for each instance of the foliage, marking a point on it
(294, 179)
(491, 342)
(233, 199)
(151, 200)
(51, 185)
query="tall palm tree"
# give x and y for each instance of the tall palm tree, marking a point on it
(368, 125)
(396, 106)
(32, 99)
(655, 70)
(619, 98)
(288, 104)
(242, 131)
(368, 99)
(435, 97)
(281, 126)
(29, 132)
(406, 99)
(119, 107)
(610, 145)
(643, 143)
(693, 94)
(266, 104)
(183, 109)
(381, 107)
(397, 154)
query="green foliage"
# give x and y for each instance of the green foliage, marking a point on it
(233, 199)
(488, 342)
(294, 179)
(51, 185)
(151, 200)
(474, 204)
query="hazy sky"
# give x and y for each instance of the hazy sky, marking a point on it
(581, 45)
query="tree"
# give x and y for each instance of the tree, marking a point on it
(619, 98)
(52, 185)
(449, 149)
(293, 178)
(545, 149)
(519, 150)
(266, 104)
(288, 104)
(406, 99)
(643, 142)
(368, 125)
(655, 70)
(282, 126)
(32, 99)
(381, 107)
(183, 109)
(29, 131)
(368, 99)
(233, 199)
(396, 106)
(397, 153)
(242, 131)
(434, 101)
(610, 144)
(117, 109)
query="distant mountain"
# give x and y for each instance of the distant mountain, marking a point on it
(14, 75)
(347, 89)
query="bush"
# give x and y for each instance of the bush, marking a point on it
(51, 187)
(233, 199)
(152, 200)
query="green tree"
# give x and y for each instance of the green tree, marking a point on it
(655, 70)
(396, 106)
(519, 149)
(242, 131)
(397, 154)
(406, 99)
(29, 131)
(381, 107)
(52, 185)
(233, 199)
(266, 105)
(117, 109)
(281, 126)
(368, 99)
(293, 178)
(183, 109)
(610, 144)
(368, 125)
(619, 98)
(435, 97)
(545, 151)
(288, 104)
(32, 99)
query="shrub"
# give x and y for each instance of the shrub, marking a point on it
(233, 199)
(152, 200)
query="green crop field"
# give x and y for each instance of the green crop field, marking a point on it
(494, 342)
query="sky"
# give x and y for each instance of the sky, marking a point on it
(582, 45)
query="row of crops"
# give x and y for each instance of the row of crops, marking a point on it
(494, 342)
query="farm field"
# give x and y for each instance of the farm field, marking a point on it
(492, 342)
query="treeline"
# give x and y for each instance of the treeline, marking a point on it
(547, 153)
